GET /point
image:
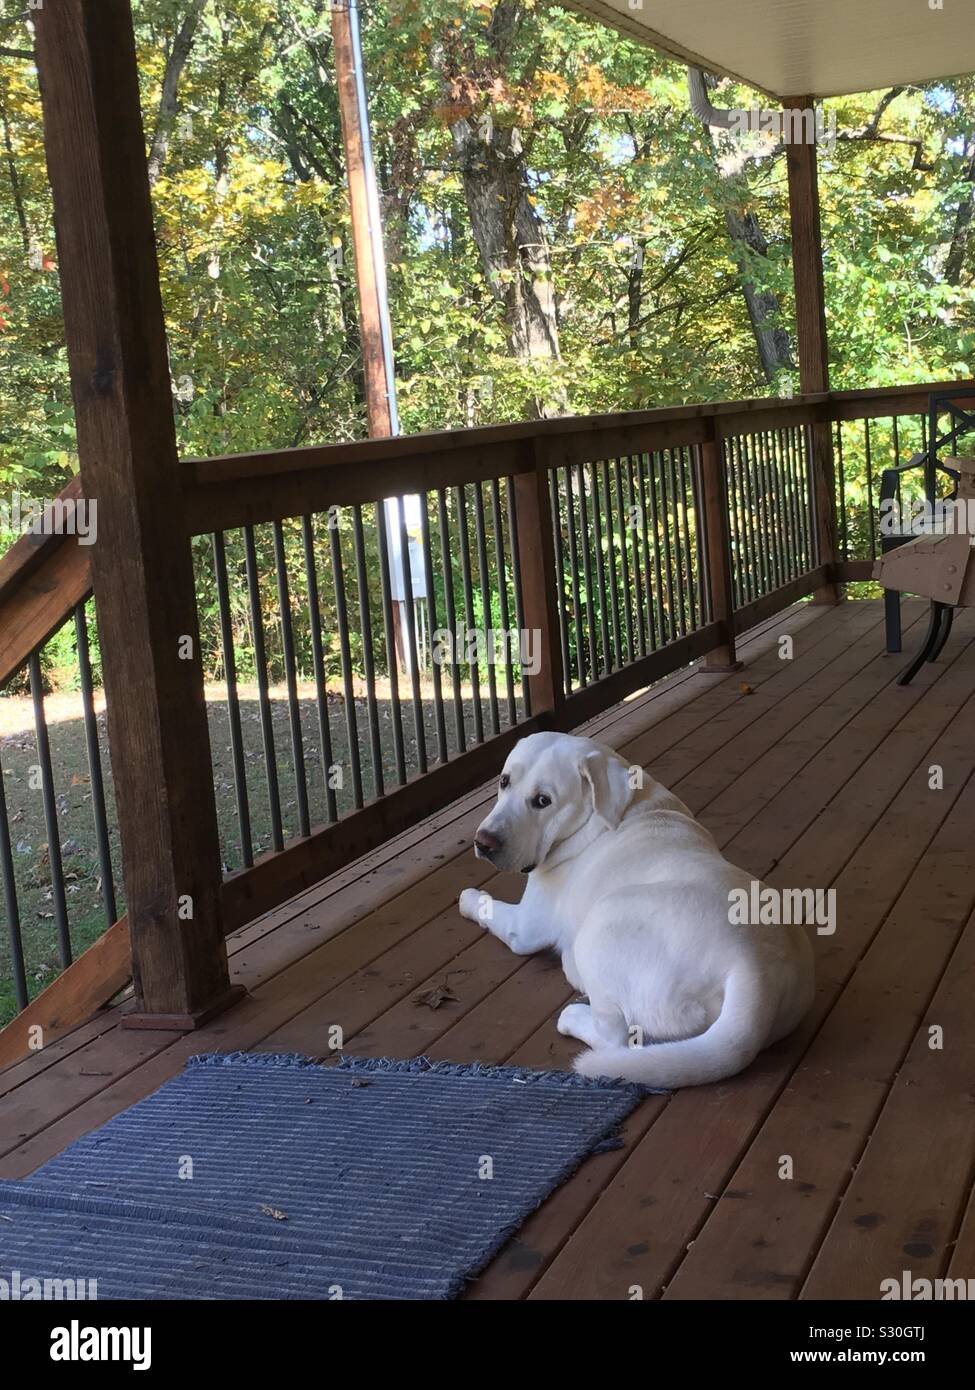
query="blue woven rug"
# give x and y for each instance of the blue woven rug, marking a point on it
(261, 1176)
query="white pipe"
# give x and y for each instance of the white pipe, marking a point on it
(411, 504)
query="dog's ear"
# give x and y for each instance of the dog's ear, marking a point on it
(609, 782)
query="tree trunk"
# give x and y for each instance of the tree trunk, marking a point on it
(509, 233)
(958, 246)
(175, 63)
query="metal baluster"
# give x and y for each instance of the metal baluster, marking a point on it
(438, 711)
(95, 778)
(345, 652)
(450, 604)
(469, 619)
(264, 703)
(10, 898)
(318, 664)
(509, 674)
(58, 897)
(413, 649)
(291, 680)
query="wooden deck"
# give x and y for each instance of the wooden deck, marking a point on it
(814, 771)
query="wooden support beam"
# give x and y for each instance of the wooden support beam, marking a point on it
(807, 270)
(714, 490)
(141, 562)
(536, 565)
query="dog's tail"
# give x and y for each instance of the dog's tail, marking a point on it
(734, 1040)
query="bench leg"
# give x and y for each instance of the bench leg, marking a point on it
(931, 645)
(892, 617)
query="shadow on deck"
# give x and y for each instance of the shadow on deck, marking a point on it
(812, 771)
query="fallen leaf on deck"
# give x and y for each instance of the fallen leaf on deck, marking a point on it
(433, 998)
(273, 1211)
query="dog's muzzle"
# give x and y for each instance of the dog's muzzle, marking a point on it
(486, 845)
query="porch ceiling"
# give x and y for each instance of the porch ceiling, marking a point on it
(791, 47)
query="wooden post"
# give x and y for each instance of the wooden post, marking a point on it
(714, 491)
(141, 562)
(807, 271)
(536, 566)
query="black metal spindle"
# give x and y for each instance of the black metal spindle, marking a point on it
(480, 536)
(345, 653)
(694, 464)
(803, 495)
(434, 625)
(413, 650)
(781, 508)
(570, 511)
(733, 447)
(553, 480)
(844, 525)
(597, 526)
(516, 585)
(673, 607)
(291, 680)
(95, 779)
(739, 569)
(469, 619)
(678, 554)
(368, 655)
(633, 528)
(768, 494)
(757, 509)
(587, 574)
(389, 635)
(611, 563)
(786, 528)
(451, 607)
(686, 527)
(318, 664)
(10, 899)
(505, 611)
(263, 699)
(870, 519)
(795, 534)
(624, 560)
(648, 491)
(58, 896)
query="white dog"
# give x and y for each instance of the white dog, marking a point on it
(635, 895)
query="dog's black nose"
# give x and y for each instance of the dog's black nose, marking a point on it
(486, 844)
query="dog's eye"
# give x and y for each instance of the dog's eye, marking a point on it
(540, 801)
(505, 779)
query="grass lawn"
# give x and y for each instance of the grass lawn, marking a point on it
(25, 805)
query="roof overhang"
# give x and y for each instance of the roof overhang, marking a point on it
(817, 48)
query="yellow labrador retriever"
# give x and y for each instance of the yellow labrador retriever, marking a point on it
(634, 894)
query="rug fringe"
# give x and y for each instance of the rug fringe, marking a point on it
(525, 1076)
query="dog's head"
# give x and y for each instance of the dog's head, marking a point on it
(552, 785)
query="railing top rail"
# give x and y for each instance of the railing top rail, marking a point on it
(231, 490)
(237, 489)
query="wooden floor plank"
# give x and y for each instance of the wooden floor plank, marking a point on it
(808, 779)
(903, 1206)
(667, 1189)
(762, 1244)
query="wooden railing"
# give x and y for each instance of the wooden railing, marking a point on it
(627, 546)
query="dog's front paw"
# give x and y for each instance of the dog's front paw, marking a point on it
(475, 904)
(575, 1021)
